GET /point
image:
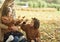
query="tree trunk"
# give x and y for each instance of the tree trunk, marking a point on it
(6, 4)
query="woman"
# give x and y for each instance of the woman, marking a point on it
(7, 19)
(31, 29)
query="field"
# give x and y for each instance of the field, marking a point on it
(49, 23)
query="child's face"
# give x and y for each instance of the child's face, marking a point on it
(31, 22)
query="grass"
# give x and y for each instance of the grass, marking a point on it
(49, 22)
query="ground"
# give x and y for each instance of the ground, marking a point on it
(49, 22)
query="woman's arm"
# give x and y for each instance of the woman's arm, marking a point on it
(3, 26)
(18, 21)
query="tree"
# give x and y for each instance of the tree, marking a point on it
(7, 3)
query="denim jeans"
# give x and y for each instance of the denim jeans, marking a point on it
(23, 40)
(16, 39)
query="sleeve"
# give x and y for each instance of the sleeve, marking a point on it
(23, 26)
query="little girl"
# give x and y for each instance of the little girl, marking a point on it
(31, 30)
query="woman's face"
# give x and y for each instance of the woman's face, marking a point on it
(10, 13)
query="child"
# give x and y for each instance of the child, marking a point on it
(31, 30)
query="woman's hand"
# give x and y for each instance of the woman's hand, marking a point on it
(14, 28)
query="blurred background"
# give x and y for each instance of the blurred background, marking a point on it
(38, 3)
(47, 11)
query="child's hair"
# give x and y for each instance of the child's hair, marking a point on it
(36, 23)
(5, 11)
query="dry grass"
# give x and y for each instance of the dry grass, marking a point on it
(49, 21)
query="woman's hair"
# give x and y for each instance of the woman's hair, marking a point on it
(36, 23)
(5, 11)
